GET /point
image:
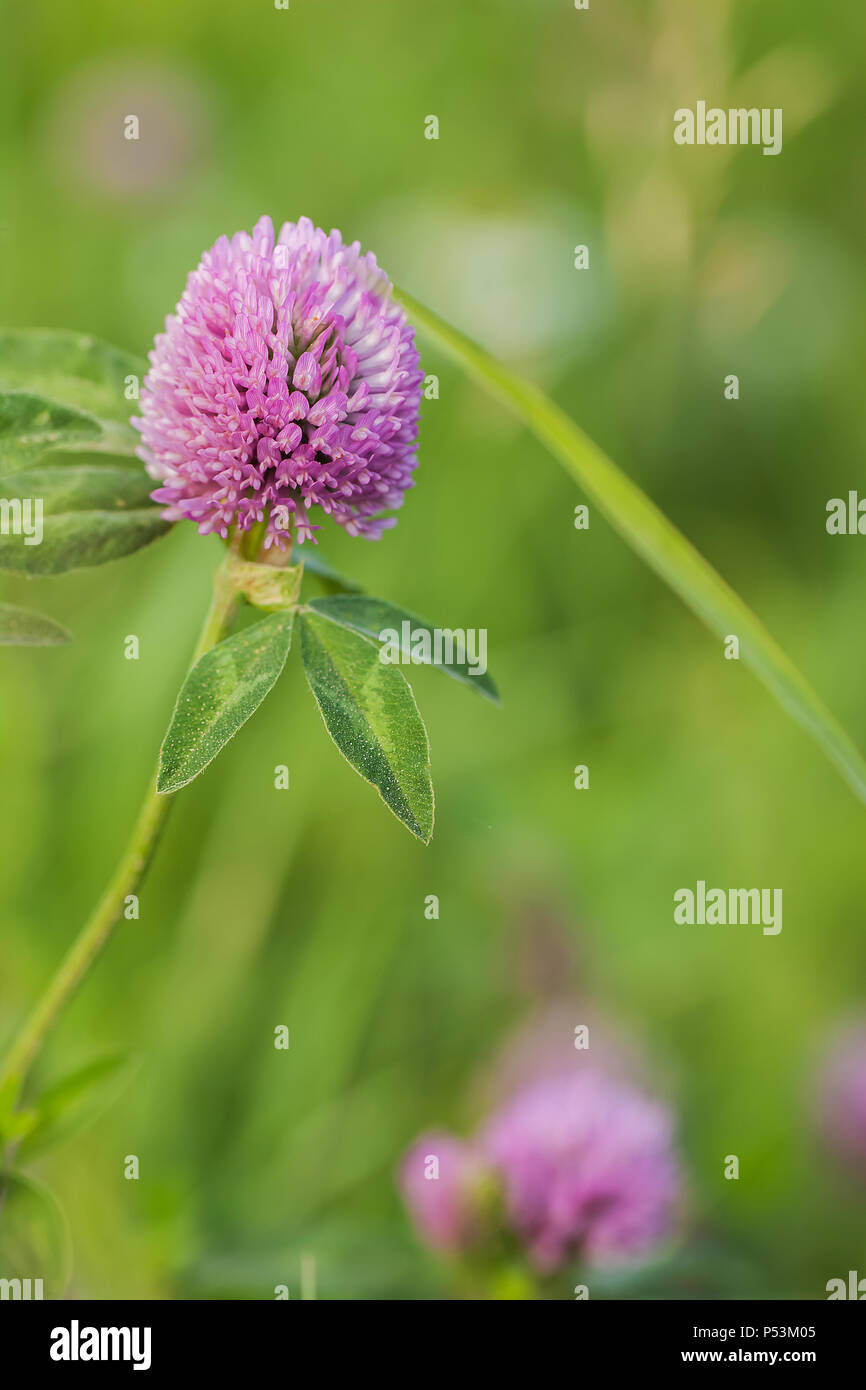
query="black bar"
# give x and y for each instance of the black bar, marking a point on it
(244, 1338)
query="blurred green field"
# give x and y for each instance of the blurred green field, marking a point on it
(306, 907)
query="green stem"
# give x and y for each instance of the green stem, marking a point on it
(129, 873)
(655, 539)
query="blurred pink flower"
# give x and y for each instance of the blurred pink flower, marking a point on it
(438, 1178)
(588, 1168)
(123, 128)
(841, 1099)
(585, 1165)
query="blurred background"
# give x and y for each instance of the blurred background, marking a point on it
(306, 907)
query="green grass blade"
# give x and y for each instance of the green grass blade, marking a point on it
(656, 539)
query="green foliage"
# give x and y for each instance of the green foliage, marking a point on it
(61, 390)
(222, 690)
(81, 371)
(367, 704)
(21, 628)
(73, 1103)
(62, 395)
(92, 512)
(330, 579)
(371, 616)
(370, 712)
(31, 426)
(35, 1239)
(655, 539)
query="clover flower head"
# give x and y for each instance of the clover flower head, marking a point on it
(286, 379)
